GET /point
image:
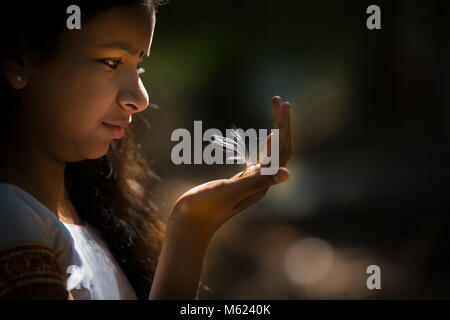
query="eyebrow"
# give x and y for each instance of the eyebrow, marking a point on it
(123, 46)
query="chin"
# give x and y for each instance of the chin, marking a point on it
(96, 152)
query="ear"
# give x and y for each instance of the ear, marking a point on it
(14, 65)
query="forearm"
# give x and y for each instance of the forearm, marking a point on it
(180, 263)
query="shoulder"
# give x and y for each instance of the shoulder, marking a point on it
(18, 220)
(27, 250)
(23, 218)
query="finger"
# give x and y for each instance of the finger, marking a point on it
(287, 148)
(237, 175)
(285, 153)
(247, 202)
(267, 148)
(285, 135)
(275, 104)
(283, 125)
(248, 170)
(245, 186)
(283, 120)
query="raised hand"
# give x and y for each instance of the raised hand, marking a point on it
(198, 213)
(282, 119)
(208, 206)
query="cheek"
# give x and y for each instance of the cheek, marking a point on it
(72, 110)
(87, 104)
(84, 102)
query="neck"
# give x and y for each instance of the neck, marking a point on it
(30, 168)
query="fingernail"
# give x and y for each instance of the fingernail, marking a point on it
(281, 176)
(276, 99)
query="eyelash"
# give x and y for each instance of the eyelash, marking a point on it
(119, 61)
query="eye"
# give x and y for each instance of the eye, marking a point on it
(113, 63)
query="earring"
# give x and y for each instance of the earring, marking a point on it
(19, 78)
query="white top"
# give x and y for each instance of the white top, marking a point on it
(90, 270)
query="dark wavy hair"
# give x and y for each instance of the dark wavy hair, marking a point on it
(112, 193)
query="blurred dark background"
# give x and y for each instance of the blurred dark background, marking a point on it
(370, 114)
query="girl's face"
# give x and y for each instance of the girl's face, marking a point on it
(94, 78)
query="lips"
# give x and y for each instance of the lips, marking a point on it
(116, 128)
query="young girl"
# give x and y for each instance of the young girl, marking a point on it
(76, 216)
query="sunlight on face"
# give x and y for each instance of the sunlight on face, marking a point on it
(93, 79)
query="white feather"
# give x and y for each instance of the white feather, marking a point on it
(236, 144)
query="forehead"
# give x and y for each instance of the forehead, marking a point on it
(130, 27)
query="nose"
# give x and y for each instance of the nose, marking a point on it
(133, 96)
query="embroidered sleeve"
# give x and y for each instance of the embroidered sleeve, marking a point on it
(27, 262)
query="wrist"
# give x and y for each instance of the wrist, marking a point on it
(178, 273)
(190, 227)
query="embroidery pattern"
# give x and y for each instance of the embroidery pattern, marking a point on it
(27, 262)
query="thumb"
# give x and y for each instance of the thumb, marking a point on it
(282, 175)
(248, 185)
